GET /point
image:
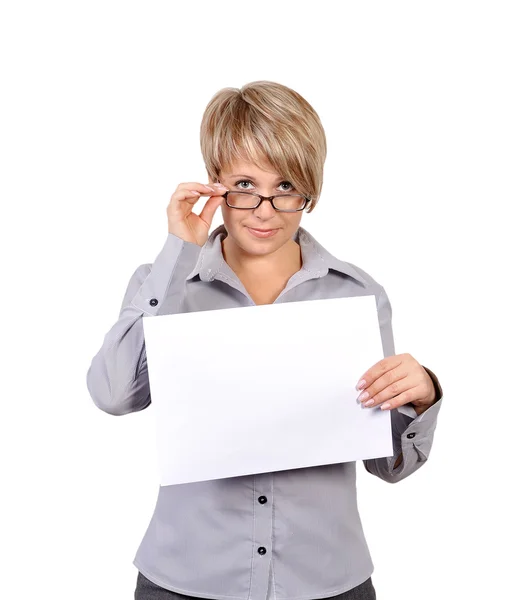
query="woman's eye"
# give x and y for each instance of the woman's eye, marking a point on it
(243, 181)
(243, 187)
(289, 184)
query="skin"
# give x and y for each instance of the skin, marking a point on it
(263, 265)
(397, 380)
(391, 382)
(394, 381)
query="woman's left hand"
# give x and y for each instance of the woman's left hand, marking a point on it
(397, 380)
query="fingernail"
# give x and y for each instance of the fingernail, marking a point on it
(369, 403)
(360, 385)
(364, 396)
(219, 185)
(386, 406)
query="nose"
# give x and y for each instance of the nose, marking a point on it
(265, 211)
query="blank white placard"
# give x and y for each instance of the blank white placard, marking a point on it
(264, 388)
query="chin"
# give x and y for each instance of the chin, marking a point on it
(261, 245)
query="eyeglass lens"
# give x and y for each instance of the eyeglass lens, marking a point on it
(282, 202)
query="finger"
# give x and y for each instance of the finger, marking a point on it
(203, 189)
(410, 395)
(211, 206)
(185, 197)
(192, 191)
(385, 384)
(378, 370)
(376, 395)
(194, 185)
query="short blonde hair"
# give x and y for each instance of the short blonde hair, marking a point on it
(268, 122)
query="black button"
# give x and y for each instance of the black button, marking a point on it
(411, 435)
(261, 550)
(262, 499)
(153, 302)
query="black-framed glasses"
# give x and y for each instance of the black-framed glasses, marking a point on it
(280, 202)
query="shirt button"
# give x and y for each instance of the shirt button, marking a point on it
(411, 435)
(261, 550)
(153, 302)
(262, 499)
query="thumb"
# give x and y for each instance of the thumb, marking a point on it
(211, 206)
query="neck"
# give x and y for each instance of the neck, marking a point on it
(285, 260)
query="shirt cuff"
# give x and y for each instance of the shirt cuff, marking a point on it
(170, 269)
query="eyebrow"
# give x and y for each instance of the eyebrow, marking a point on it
(250, 176)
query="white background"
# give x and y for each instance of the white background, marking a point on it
(424, 107)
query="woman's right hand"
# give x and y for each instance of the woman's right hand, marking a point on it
(187, 225)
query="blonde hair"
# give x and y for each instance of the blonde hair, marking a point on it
(268, 122)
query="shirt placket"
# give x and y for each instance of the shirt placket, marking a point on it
(262, 536)
(262, 576)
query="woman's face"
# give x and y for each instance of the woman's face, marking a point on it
(244, 176)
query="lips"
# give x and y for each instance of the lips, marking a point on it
(262, 233)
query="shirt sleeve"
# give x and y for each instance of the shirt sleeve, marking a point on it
(117, 378)
(412, 434)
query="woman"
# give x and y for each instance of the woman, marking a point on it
(293, 534)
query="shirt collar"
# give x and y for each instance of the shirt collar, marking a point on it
(315, 258)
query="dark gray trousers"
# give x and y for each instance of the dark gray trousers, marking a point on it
(147, 590)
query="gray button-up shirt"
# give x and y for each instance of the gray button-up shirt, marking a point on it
(294, 534)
